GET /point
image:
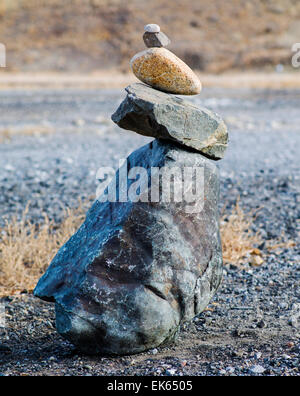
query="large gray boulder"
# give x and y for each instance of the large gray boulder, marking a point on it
(150, 112)
(135, 271)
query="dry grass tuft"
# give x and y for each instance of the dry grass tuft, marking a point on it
(238, 240)
(26, 250)
(280, 244)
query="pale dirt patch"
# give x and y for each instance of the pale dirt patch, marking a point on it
(114, 79)
(7, 134)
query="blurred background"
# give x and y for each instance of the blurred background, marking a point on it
(67, 65)
(213, 36)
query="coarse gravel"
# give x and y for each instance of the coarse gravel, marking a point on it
(252, 325)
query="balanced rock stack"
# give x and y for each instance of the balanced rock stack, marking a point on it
(140, 267)
(160, 68)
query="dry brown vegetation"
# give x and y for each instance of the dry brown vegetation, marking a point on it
(26, 250)
(7, 134)
(84, 35)
(239, 242)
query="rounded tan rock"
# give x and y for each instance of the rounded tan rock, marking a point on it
(161, 69)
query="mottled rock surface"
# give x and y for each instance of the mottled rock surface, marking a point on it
(157, 114)
(156, 40)
(161, 69)
(135, 271)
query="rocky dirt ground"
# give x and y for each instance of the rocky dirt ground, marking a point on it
(85, 35)
(252, 325)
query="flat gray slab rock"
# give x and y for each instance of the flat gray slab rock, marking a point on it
(135, 271)
(150, 112)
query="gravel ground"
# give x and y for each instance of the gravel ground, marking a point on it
(252, 326)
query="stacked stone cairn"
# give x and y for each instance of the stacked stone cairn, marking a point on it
(138, 268)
